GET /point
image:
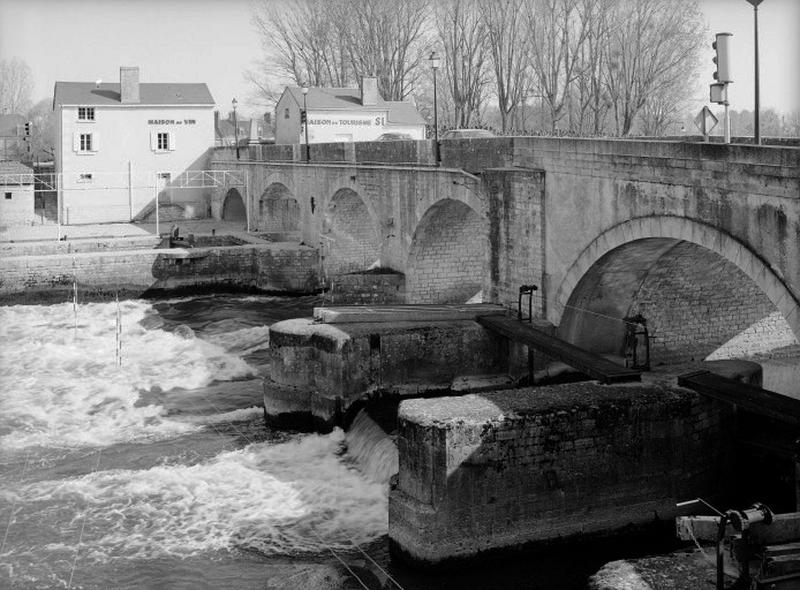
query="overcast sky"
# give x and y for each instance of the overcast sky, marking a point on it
(213, 41)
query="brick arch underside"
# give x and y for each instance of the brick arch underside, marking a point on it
(233, 208)
(352, 238)
(278, 210)
(694, 300)
(447, 255)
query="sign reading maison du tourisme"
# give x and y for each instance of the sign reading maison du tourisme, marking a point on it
(348, 121)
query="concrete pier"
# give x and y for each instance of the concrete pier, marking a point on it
(321, 367)
(499, 471)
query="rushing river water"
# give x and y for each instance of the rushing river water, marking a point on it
(148, 465)
(142, 461)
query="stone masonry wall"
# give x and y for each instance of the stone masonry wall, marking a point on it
(267, 267)
(694, 302)
(448, 256)
(488, 472)
(516, 235)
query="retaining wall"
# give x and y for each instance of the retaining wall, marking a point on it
(268, 267)
(484, 473)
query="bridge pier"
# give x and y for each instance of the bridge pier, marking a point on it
(500, 471)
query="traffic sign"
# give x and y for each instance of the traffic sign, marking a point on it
(705, 121)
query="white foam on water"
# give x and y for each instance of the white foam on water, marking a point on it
(276, 498)
(242, 341)
(61, 385)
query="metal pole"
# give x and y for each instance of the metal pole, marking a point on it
(435, 120)
(236, 131)
(757, 121)
(155, 182)
(727, 123)
(247, 200)
(305, 127)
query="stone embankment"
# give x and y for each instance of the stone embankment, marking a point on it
(142, 266)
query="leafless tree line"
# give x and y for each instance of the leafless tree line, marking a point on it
(586, 67)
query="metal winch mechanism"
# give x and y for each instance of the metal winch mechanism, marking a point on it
(766, 556)
(637, 342)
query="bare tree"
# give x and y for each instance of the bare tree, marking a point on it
(303, 42)
(384, 38)
(508, 42)
(16, 84)
(558, 29)
(461, 34)
(653, 46)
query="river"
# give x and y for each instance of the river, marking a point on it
(133, 454)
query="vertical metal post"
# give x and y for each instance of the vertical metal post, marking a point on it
(435, 121)
(155, 182)
(130, 190)
(59, 188)
(247, 200)
(757, 121)
(727, 122)
(119, 333)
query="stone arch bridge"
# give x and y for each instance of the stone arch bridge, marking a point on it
(702, 239)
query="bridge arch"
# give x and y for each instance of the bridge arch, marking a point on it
(699, 287)
(350, 233)
(233, 207)
(447, 253)
(279, 212)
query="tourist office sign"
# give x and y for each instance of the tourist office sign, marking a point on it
(349, 121)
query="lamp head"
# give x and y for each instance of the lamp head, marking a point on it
(234, 102)
(304, 90)
(435, 61)
(755, 3)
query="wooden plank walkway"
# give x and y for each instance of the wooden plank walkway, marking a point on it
(344, 314)
(594, 365)
(753, 399)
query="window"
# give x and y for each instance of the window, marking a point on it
(286, 113)
(84, 178)
(8, 195)
(85, 142)
(166, 176)
(162, 142)
(85, 113)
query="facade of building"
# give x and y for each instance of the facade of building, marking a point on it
(120, 145)
(16, 194)
(344, 114)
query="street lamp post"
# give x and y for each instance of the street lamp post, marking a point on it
(235, 128)
(434, 59)
(757, 118)
(305, 121)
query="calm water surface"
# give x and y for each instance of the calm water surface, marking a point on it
(158, 472)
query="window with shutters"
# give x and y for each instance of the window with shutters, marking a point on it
(85, 142)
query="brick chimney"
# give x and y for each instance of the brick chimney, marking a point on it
(369, 91)
(129, 85)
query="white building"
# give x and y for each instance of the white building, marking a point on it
(118, 145)
(344, 114)
(16, 201)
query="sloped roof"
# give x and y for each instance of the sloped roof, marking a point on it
(349, 99)
(14, 167)
(106, 94)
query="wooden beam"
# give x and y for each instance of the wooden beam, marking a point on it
(594, 365)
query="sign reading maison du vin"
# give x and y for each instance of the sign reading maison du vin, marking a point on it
(171, 121)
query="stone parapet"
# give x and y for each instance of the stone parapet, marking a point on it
(483, 473)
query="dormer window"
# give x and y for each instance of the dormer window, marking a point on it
(85, 113)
